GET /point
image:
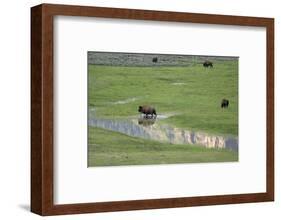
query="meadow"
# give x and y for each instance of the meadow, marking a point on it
(191, 94)
(191, 97)
(108, 148)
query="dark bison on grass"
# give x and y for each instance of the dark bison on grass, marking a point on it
(149, 111)
(224, 103)
(154, 59)
(208, 64)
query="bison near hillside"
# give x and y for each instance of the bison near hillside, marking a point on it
(148, 111)
(154, 59)
(207, 64)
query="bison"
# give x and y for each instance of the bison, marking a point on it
(154, 59)
(224, 103)
(149, 111)
(208, 64)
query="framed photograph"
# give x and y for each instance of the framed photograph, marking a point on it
(138, 109)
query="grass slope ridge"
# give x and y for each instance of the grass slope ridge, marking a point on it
(121, 149)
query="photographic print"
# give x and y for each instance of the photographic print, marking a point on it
(146, 109)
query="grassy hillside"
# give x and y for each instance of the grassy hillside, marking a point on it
(107, 148)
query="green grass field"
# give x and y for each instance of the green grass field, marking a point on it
(195, 103)
(191, 94)
(107, 148)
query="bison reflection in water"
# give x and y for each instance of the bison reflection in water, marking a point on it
(146, 121)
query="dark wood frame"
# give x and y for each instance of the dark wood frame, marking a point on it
(42, 109)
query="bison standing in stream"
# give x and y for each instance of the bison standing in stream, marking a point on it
(149, 111)
(208, 64)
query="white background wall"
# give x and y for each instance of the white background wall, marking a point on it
(15, 108)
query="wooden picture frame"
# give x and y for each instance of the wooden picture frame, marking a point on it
(42, 120)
